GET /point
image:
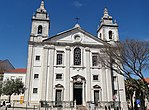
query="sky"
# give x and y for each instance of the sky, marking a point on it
(132, 17)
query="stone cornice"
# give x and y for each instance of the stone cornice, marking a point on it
(107, 25)
(68, 45)
(74, 44)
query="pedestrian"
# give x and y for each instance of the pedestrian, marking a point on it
(4, 103)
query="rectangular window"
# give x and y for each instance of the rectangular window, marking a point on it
(20, 78)
(58, 76)
(35, 90)
(95, 77)
(36, 76)
(38, 58)
(59, 60)
(94, 60)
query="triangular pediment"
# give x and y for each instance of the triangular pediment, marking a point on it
(75, 35)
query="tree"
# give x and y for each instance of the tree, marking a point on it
(11, 86)
(130, 59)
(130, 89)
(1, 90)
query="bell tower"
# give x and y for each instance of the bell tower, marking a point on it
(40, 24)
(108, 30)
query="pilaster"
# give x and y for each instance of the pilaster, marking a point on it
(51, 73)
(67, 74)
(109, 84)
(88, 74)
(29, 74)
(44, 75)
(104, 85)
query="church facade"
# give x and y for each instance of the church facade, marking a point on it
(64, 71)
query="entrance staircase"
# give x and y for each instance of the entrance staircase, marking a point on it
(81, 107)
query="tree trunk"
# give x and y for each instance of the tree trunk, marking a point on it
(142, 101)
(9, 98)
(131, 97)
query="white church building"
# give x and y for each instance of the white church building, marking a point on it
(64, 71)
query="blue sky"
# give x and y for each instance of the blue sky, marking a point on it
(15, 21)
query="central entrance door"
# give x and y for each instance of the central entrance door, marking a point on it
(77, 93)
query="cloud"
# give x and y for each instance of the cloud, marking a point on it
(77, 4)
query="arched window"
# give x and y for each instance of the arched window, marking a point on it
(100, 35)
(39, 29)
(110, 34)
(77, 56)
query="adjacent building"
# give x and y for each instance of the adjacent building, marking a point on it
(5, 65)
(18, 73)
(64, 70)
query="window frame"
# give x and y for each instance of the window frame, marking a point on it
(60, 60)
(37, 58)
(36, 75)
(110, 35)
(57, 78)
(40, 29)
(77, 53)
(35, 90)
(96, 61)
(95, 77)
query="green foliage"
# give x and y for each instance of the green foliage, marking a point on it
(1, 88)
(11, 86)
(18, 87)
(8, 87)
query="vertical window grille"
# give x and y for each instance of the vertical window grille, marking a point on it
(38, 58)
(35, 90)
(36, 76)
(58, 76)
(59, 58)
(77, 56)
(95, 77)
(96, 96)
(94, 60)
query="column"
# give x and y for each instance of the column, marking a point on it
(104, 85)
(88, 73)
(84, 93)
(51, 73)
(67, 75)
(29, 74)
(109, 84)
(43, 85)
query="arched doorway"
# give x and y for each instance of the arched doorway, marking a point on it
(77, 93)
(78, 89)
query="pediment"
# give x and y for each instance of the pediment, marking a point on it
(75, 35)
(59, 86)
(78, 77)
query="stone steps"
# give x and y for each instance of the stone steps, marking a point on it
(81, 107)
